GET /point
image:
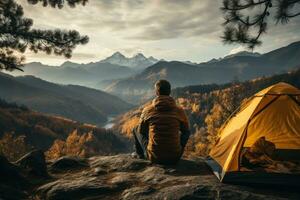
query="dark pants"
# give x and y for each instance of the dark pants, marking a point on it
(140, 143)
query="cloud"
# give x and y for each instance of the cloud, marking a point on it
(180, 29)
(135, 19)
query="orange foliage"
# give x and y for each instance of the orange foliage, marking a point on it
(57, 150)
(75, 145)
(84, 144)
(128, 121)
(13, 147)
(130, 125)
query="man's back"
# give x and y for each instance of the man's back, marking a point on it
(163, 120)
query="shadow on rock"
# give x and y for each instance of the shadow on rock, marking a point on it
(188, 168)
(12, 183)
(33, 164)
(68, 163)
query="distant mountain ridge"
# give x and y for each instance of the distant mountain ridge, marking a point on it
(97, 75)
(238, 54)
(75, 102)
(93, 74)
(90, 75)
(243, 66)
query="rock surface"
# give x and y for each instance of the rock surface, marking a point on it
(126, 178)
(123, 177)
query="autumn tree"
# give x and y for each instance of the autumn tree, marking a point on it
(17, 34)
(84, 144)
(14, 147)
(247, 20)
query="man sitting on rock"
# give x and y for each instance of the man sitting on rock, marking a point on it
(163, 130)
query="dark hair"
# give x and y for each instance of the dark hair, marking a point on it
(163, 87)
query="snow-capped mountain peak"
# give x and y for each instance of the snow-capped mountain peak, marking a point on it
(244, 53)
(138, 61)
(117, 55)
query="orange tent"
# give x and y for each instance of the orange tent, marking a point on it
(273, 113)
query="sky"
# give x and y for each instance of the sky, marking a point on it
(183, 30)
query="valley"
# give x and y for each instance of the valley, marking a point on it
(56, 136)
(75, 102)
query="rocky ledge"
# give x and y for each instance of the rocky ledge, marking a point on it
(122, 177)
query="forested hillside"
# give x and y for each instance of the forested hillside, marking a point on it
(57, 136)
(75, 102)
(208, 106)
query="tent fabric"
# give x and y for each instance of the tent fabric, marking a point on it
(279, 88)
(273, 113)
(284, 131)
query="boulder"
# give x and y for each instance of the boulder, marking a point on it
(33, 164)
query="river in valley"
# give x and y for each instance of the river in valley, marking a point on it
(109, 124)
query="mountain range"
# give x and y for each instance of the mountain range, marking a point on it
(75, 102)
(241, 66)
(93, 74)
(132, 78)
(90, 75)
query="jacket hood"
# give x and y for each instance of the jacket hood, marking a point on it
(164, 103)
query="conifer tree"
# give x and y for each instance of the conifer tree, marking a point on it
(17, 34)
(247, 20)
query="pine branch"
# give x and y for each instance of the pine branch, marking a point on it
(284, 7)
(58, 3)
(9, 62)
(233, 5)
(238, 27)
(16, 34)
